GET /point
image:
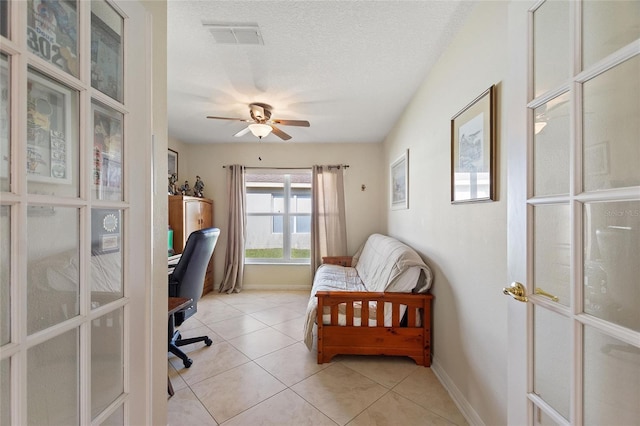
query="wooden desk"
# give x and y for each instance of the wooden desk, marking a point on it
(177, 303)
(174, 305)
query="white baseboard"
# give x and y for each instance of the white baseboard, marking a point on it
(463, 405)
(277, 287)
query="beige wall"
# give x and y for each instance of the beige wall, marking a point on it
(465, 244)
(364, 215)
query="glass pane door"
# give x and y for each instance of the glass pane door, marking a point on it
(66, 289)
(584, 213)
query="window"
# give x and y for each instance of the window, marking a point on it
(278, 231)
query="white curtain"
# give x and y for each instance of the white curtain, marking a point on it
(236, 231)
(328, 219)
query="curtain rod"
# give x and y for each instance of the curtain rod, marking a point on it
(346, 166)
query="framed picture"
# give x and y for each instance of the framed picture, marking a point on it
(107, 152)
(473, 150)
(48, 131)
(173, 163)
(400, 182)
(106, 59)
(5, 98)
(52, 28)
(105, 230)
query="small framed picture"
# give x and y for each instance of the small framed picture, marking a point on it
(48, 131)
(107, 55)
(473, 150)
(399, 174)
(107, 152)
(173, 163)
(109, 243)
(105, 230)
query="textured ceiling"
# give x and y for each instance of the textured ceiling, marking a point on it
(347, 67)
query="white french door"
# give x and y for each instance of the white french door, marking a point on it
(74, 175)
(574, 212)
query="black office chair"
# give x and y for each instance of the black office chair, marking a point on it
(187, 280)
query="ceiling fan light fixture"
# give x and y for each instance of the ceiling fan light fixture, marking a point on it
(260, 130)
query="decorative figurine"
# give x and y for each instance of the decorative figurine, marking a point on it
(185, 189)
(172, 184)
(198, 187)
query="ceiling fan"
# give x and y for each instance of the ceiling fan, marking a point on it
(262, 124)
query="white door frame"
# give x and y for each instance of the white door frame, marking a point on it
(518, 126)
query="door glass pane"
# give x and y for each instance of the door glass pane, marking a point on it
(106, 256)
(107, 153)
(607, 27)
(551, 45)
(5, 275)
(52, 381)
(52, 266)
(552, 250)
(5, 124)
(5, 391)
(611, 128)
(543, 419)
(4, 18)
(106, 50)
(552, 359)
(52, 137)
(611, 380)
(612, 266)
(551, 144)
(116, 418)
(107, 360)
(52, 32)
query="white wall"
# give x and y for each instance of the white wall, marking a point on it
(465, 244)
(364, 215)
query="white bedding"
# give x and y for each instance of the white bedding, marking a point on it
(382, 264)
(60, 272)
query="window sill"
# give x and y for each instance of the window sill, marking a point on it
(278, 263)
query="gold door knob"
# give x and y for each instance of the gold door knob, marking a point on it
(517, 291)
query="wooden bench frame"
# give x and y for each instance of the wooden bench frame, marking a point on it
(413, 341)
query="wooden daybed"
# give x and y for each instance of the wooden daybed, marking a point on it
(388, 284)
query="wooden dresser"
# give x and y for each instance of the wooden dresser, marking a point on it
(188, 214)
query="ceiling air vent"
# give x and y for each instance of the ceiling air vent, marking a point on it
(234, 33)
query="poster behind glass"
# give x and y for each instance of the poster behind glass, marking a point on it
(49, 111)
(5, 145)
(52, 32)
(107, 153)
(106, 50)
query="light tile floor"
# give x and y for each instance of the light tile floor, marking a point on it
(259, 372)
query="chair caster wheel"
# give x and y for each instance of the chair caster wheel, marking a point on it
(187, 363)
(208, 341)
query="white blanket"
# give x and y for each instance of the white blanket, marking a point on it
(382, 264)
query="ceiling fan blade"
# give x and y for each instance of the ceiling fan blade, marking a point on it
(242, 132)
(279, 133)
(301, 123)
(228, 118)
